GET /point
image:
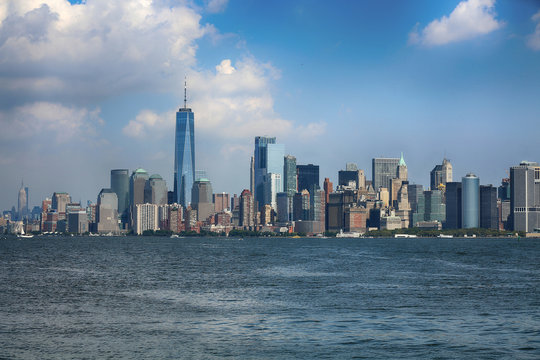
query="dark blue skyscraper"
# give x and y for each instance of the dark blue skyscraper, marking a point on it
(184, 154)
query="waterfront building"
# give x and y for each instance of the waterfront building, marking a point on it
(146, 218)
(328, 189)
(470, 201)
(246, 210)
(435, 209)
(77, 221)
(107, 212)
(120, 185)
(155, 190)
(488, 207)
(453, 205)
(202, 199)
(184, 154)
(176, 218)
(525, 197)
(355, 219)
(383, 171)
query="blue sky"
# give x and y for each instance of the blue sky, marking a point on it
(94, 86)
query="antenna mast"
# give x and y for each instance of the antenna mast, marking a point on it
(185, 93)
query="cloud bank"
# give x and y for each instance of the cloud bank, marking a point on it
(470, 18)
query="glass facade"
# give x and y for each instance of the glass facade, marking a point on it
(308, 177)
(120, 185)
(470, 201)
(184, 156)
(453, 205)
(383, 171)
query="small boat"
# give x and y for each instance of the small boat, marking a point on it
(445, 236)
(404, 236)
(22, 235)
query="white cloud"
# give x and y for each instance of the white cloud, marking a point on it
(469, 19)
(95, 49)
(216, 6)
(533, 40)
(49, 120)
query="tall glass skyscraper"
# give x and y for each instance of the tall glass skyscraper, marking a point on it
(120, 185)
(184, 154)
(470, 201)
(268, 159)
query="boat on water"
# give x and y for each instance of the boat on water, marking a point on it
(22, 235)
(404, 236)
(445, 236)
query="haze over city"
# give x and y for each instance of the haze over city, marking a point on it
(89, 87)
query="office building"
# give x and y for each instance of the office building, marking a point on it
(272, 186)
(489, 218)
(184, 154)
(402, 172)
(107, 212)
(155, 190)
(289, 175)
(435, 209)
(301, 206)
(77, 221)
(120, 185)
(59, 203)
(441, 174)
(22, 203)
(146, 218)
(308, 177)
(137, 183)
(282, 200)
(201, 199)
(383, 171)
(453, 205)
(247, 210)
(525, 197)
(470, 201)
(221, 202)
(268, 159)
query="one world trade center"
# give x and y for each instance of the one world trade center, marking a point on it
(184, 154)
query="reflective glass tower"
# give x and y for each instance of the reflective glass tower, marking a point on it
(470, 201)
(184, 154)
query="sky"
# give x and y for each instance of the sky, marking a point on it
(90, 86)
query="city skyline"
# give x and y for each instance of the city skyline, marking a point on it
(361, 87)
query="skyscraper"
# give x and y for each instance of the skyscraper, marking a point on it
(383, 171)
(137, 182)
(268, 159)
(308, 177)
(120, 185)
(453, 205)
(489, 218)
(184, 153)
(525, 196)
(155, 190)
(22, 202)
(107, 212)
(202, 199)
(289, 175)
(470, 201)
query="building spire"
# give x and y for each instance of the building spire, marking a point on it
(185, 93)
(402, 160)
